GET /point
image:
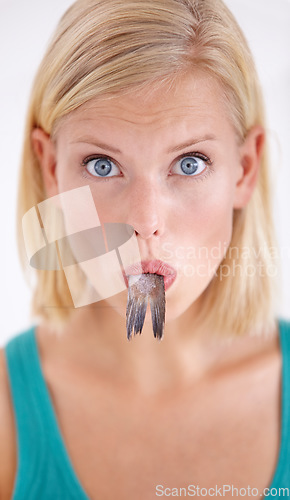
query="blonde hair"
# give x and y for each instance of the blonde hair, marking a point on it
(108, 47)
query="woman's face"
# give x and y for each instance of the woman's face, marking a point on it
(170, 165)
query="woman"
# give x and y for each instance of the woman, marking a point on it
(145, 162)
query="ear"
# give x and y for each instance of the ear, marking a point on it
(250, 160)
(44, 149)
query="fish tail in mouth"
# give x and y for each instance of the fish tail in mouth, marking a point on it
(142, 289)
(136, 312)
(158, 317)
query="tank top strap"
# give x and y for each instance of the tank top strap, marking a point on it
(44, 469)
(281, 477)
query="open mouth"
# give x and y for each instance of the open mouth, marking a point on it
(152, 267)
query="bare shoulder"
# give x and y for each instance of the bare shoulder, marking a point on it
(7, 434)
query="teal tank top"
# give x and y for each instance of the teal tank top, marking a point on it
(44, 470)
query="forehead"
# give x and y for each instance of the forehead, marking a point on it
(194, 101)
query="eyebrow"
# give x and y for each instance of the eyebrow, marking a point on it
(108, 147)
(93, 142)
(192, 142)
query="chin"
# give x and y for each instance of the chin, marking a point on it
(186, 298)
(176, 311)
(181, 299)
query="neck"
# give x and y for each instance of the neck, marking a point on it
(95, 339)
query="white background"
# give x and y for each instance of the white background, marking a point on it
(25, 28)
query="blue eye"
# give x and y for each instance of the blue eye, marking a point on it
(101, 167)
(190, 165)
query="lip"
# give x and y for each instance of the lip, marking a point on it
(153, 267)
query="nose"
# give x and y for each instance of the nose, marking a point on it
(144, 211)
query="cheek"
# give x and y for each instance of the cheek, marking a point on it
(208, 215)
(72, 177)
(198, 247)
(202, 230)
(68, 177)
